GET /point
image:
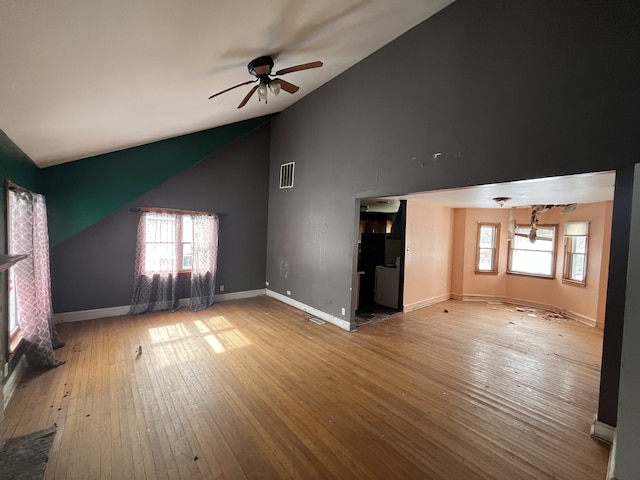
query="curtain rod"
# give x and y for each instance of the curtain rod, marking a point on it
(14, 186)
(173, 210)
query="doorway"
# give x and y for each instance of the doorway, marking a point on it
(380, 258)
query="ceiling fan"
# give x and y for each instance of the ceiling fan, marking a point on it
(261, 69)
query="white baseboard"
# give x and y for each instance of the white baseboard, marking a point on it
(410, 307)
(477, 298)
(81, 315)
(602, 431)
(580, 318)
(12, 382)
(611, 467)
(339, 322)
(223, 297)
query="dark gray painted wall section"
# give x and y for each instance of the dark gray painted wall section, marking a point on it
(501, 90)
(616, 296)
(94, 269)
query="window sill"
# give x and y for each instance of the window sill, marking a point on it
(184, 274)
(486, 272)
(533, 275)
(14, 341)
(575, 283)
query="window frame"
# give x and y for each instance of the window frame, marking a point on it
(553, 251)
(495, 248)
(180, 215)
(15, 334)
(184, 272)
(568, 255)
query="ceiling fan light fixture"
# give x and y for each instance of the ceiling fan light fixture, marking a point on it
(274, 86)
(501, 200)
(262, 91)
(261, 69)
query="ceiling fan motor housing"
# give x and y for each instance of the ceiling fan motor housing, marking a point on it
(261, 66)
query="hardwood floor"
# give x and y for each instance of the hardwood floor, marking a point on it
(252, 389)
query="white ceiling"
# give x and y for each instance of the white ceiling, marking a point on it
(582, 188)
(79, 77)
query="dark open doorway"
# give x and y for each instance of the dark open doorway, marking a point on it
(380, 258)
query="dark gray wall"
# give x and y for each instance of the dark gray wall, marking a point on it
(94, 269)
(501, 90)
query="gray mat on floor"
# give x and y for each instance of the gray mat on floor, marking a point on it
(25, 458)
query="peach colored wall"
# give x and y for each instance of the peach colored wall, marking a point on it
(441, 259)
(458, 252)
(428, 258)
(484, 284)
(582, 300)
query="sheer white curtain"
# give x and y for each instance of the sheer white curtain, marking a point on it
(156, 269)
(28, 234)
(205, 261)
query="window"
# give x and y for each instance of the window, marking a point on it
(533, 252)
(161, 250)
(170, 243)
(488, 247)
(14, 327)
(186, 246)
(576, 235)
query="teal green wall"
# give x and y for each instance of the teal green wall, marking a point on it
(81, 193)
(17, 167)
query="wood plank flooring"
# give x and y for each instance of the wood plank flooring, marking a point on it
(252, 389)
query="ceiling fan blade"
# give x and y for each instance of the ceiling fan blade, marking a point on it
(246, 99)
(231, 88)
(286, 86)
(297, 68)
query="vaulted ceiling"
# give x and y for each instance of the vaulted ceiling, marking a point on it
(81, 78)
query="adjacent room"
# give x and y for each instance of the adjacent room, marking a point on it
(320, 239)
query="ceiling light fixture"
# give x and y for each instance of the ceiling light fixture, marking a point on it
(501, 200)
(274, 86)
(262, 91)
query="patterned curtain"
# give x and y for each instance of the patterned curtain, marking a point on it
(205, 261)
(156, 270)
(28, 234)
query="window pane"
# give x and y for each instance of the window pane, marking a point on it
(13, 311)
(537, 263)
(186, 256)
(485, 262)
(187, 229)
(486, 236)
(159, 229)
(579, 244)
(159, 257)
(544, 239)
(546, 232)
(577, 267)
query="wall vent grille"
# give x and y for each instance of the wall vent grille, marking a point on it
(286, 175)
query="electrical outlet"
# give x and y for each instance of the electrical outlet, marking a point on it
(288, 292)
(222, 288)
(344, 312)
(266, 283)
